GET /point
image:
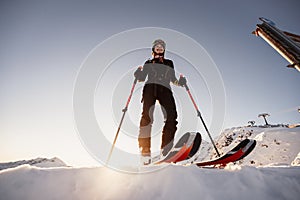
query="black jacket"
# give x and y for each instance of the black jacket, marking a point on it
(160, 73)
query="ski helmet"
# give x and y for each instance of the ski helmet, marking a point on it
(157, 42)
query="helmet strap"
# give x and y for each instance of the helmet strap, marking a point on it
(156, 55)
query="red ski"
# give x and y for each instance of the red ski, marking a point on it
(178, 155)
(237, 153)
(186, 147)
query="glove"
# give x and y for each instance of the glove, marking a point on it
(182, 81)
(138, 73)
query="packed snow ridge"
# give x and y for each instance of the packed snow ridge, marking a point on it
(271, 171)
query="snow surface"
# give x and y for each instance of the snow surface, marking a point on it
(271, 171)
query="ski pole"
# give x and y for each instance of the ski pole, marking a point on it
(124, 112)
(200, 116)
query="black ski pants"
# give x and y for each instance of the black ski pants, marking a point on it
(164, 95)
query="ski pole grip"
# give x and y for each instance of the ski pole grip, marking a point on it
(185, 85)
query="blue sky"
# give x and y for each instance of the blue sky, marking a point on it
(44, 43)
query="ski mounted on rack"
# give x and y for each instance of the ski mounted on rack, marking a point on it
(237, 153)
(186, 147)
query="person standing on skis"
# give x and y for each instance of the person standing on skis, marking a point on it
(160, 73)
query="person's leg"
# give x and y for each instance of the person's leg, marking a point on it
(170, 114)
(146, 121)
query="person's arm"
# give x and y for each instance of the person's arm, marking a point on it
(173, 78)
(182, 80)
(142, 72)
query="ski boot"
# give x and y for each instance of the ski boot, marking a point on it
(145, 156)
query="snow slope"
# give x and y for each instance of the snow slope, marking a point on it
(173, 182)
(275, 145)
(38, 162)
(274, 173)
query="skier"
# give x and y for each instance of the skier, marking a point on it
(160, 72)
